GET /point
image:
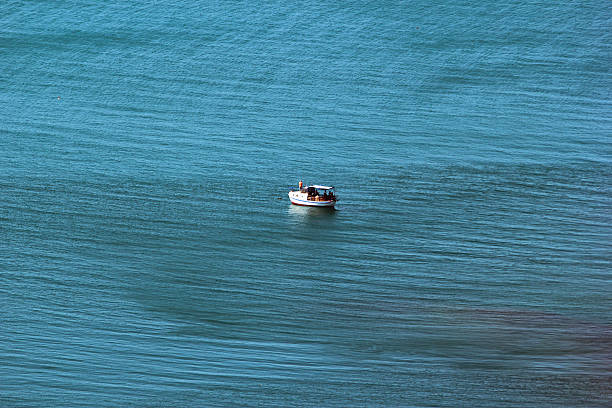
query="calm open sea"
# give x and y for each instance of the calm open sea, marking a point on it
(149, 255)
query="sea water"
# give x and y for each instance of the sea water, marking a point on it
(150, 257)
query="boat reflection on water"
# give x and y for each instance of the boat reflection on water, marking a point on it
(312, 214)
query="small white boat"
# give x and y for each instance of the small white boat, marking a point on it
(314, 196)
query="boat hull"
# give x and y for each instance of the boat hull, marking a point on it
(309, 203)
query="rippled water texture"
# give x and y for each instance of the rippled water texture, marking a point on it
(149, 255)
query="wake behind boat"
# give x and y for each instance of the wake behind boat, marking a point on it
(313, 196)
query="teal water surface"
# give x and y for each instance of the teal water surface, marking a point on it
(150, 257)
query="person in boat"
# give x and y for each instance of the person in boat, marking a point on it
(300, 184)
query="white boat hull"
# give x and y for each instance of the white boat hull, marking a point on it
(298, 198)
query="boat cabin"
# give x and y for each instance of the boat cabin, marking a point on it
(319, 193)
